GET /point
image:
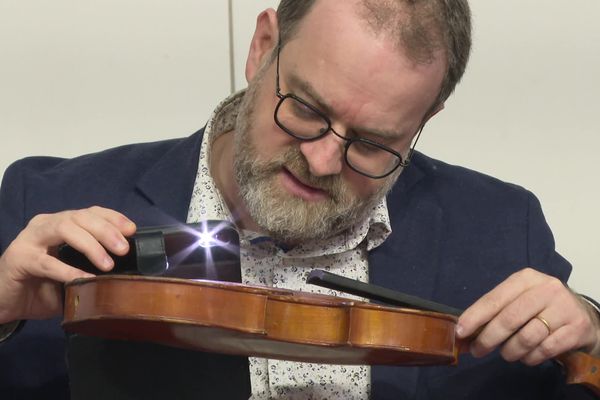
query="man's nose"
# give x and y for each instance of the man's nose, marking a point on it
(325, 155)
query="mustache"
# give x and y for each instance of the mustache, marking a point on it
(294, 161)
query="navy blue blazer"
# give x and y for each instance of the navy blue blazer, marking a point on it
(456, 234)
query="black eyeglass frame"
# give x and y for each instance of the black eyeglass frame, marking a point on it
(282, 97)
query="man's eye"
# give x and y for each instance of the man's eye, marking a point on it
(303, 111)
(365, 148)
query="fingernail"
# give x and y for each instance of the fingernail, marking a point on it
(459, 330)
(107, 262)
(121, 245)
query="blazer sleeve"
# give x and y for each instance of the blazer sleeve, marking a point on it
(12, 205)
(32, 362)
(541, 245)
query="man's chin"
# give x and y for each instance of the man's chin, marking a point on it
(305, 223)
(291, 219)
(306, 227)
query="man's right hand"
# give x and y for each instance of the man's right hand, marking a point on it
(31, 276)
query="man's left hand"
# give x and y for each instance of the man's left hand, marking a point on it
(533, 317)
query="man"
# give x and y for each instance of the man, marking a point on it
(303, 162)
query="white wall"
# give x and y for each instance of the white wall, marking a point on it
(527, 112)
(76, 76)
(82, 75)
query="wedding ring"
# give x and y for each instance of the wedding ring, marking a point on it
(546, 324)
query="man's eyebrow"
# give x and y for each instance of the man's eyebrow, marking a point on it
(379, 134)
(315, 99)
(307, 89)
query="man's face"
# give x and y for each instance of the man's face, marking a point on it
(297, 191)
(281, 194)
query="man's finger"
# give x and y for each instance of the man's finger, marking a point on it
(525, 340)
(126, 226)
(560, 341)
(101, 229)
(534, 301)
(55, 270)
(490, 304)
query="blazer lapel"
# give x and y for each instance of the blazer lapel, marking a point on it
(169, 183)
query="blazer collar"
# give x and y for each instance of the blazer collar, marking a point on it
(410, 176)
(169, 183)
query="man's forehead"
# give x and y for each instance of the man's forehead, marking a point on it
(361, 76)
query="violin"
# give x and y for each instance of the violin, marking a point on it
(232, 318)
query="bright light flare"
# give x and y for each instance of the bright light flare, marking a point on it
(209, 239)
(205, 239)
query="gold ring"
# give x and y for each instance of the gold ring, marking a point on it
(546, 324)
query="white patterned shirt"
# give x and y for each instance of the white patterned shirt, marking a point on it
(263, 262)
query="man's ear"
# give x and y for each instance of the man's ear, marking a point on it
(266, 36)
(436, 110)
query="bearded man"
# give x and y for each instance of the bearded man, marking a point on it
(315, 165)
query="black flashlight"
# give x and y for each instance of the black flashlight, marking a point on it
(205, 250)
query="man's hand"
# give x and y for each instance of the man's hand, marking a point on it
(30, 274)
(533, 317)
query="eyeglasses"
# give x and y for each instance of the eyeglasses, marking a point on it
(305, 122)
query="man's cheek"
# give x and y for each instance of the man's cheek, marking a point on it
(357, 186)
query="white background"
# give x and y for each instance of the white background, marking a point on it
(80, 76)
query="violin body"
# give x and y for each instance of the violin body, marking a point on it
(236, 319)
(232, 318)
